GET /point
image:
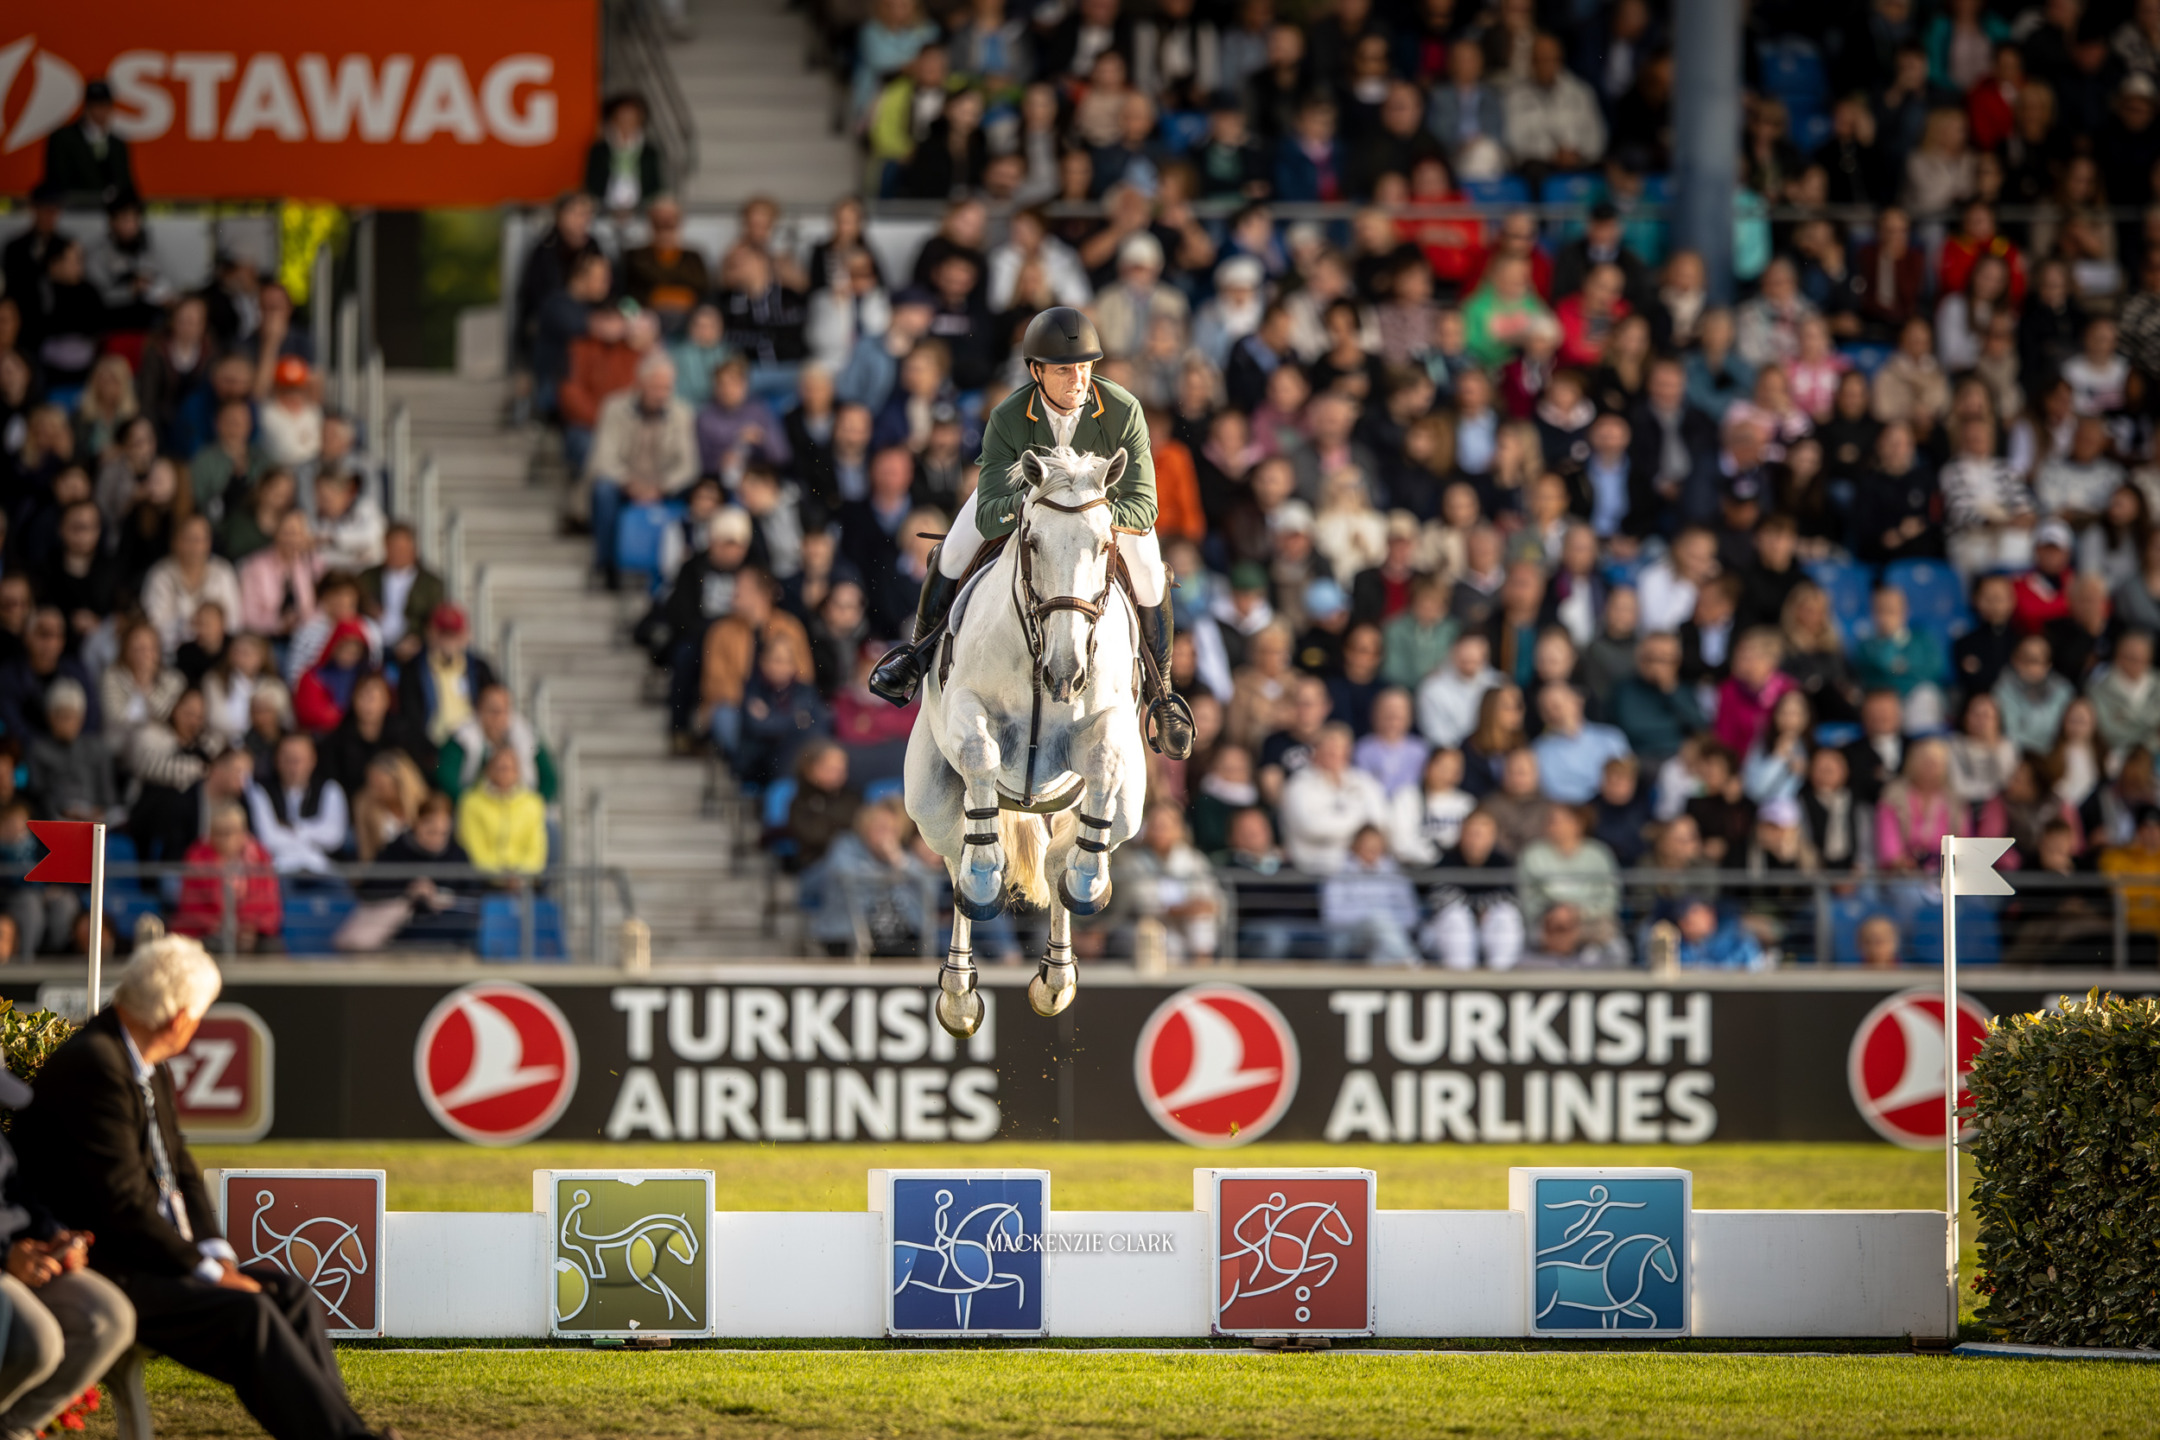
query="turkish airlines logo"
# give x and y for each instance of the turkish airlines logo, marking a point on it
(1216, 1065)
(1895, 1065)
(56, 91)
(496, 1063)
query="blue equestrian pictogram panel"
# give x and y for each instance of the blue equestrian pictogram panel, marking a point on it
(967, 1253)
(1610, 1254)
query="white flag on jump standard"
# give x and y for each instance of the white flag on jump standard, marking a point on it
(1975, 872)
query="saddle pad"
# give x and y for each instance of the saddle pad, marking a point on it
(958, 613)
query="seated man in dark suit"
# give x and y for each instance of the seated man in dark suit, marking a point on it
(102, 1148)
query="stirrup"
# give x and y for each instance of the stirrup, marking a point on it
(1179, 710)
(910, 654)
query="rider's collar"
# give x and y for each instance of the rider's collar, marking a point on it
(1037, 389)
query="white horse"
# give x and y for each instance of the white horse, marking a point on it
(1036, 728)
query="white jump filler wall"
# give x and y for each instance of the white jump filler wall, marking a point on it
(1140, 1274)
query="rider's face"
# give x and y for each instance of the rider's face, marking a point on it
(1064, 385)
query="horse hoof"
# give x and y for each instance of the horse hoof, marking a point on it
(1052, 990)
(1081, 907)
(962, 1014)
(978, 909)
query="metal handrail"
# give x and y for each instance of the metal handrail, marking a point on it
(596, 844)
(453, 566)
(482, 604)
(528, 890)
(427, 509)
(397, 453)
(1818, 890)
(322, 312)
(374, 396)
(348, 355)
(510, 652)
(636, 59)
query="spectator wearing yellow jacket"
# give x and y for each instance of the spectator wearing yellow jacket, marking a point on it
(503, 823)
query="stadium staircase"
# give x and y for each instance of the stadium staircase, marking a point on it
(763, 119)
(565, 647)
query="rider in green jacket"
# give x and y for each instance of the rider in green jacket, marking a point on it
(1066, 406)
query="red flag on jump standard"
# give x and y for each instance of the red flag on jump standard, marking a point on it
(67, 843)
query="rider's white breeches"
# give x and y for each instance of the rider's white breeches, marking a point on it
(1143, 556)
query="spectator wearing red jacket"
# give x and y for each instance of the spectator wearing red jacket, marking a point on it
(325, 691)
(1587, 317)
(229, 898)
(2043, 592)
(1978, 236)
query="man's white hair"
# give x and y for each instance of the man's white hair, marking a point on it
(172, 975)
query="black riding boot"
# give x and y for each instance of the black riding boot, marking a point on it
(1172, 716)
(901, 671)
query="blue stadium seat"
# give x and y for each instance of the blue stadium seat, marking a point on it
(1507, 190)
(1866, 358)
(889, 788)
(1584, 190)
(127, 897)
(1810, 127)
(637, 536)
(1979, 928)
(1184, 130)
(313, 912)
(1792, 67)
(500, 919)
(1849, 587)
(1935, 594)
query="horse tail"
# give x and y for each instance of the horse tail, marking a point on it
(1026, 841)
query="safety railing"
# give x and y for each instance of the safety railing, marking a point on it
(1730, 918)
(459, 908)
(1490, 919)
(636, 59)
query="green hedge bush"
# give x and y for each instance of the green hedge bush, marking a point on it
(27, 1041)
(2066, 1137)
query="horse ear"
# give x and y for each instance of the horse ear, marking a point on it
(1032, 469)
(1116, 472)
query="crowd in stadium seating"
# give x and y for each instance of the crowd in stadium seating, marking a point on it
(211, 637)
(1499, 545)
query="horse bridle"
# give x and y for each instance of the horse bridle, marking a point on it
(1033, 609)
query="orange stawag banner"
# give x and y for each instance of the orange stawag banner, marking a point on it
(397, 103)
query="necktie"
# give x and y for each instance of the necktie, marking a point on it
(160, 1162)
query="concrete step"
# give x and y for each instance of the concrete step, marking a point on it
(701, 897)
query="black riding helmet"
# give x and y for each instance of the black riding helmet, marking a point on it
(1061, 335)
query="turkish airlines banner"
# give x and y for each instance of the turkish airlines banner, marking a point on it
(396, 103)
(794, 1057)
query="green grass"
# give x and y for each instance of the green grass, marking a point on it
(565, 1394)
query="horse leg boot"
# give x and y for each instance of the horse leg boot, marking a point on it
(1172, 716)
(1057, 979)
(959, 1005)
(900, 673)
(1088, 865)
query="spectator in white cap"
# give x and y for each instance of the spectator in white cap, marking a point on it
(1235, 311)
(1125, 311)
